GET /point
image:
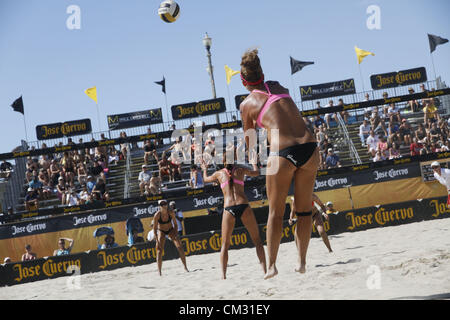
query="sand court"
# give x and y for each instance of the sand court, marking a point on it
(410, 261)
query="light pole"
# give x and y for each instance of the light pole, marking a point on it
(207, 41)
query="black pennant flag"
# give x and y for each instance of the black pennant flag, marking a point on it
(18, 105)
(435, 41)
(298, 65)
(163, 84)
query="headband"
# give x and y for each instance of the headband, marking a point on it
(248, 83)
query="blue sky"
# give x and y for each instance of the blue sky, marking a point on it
(123, 47)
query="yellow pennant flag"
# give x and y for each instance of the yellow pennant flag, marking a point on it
(361, 54)
(230, 72)
(92, 93)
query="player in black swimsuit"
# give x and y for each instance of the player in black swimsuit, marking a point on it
(165, 224)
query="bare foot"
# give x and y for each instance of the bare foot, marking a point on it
(186, 269)
(301, 269)
(272, 272)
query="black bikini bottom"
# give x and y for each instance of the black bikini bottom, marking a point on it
(238, 210)
(166, 232)
(298, 154)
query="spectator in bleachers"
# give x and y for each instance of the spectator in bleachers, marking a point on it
(113, 156)
(124, 147)
(414, 105)
(415, 147)
(62, 190)
(46, 187)
(90, 184)
(44, 162)
(405, 132)
(144, 179)
(344, 113)
(379, 156)
(318, 121)
(68, 169)
(430, 113)
(382, 146)
(150, 150)
(435, 133)
(101, 189)
(367, 110)
(32, 166)
(329, 115)
(83, 195)
(175, 165)
(98, 169)
(372, 143)
(5, 169)
(31, 200)
(165, 168)
(321, 135)
(196, 180)
(377, 121)
(393, 113)
(332, 160)
(82, 173)
(73, 199)
(364, 131)
(394, 151)
(421, 134)
(155, 184)
(37, 186)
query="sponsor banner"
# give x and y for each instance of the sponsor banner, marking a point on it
(198, 109)
(65, 129)
(239, 98)
(377, 174)
(210, 196)
(397, 79)
(210, 241)
(326, 90)
(134, 119)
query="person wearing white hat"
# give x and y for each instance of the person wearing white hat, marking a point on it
(144, 180)
(443, 176)
(31, 200)
(178, 215)
(7, 260)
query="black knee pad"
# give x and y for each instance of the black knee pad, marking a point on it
(303, 214)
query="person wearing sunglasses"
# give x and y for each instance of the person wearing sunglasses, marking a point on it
(165, 224)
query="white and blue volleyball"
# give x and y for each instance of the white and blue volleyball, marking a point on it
(169, 11)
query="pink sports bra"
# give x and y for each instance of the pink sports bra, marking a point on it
(223, 185)
(272, 98)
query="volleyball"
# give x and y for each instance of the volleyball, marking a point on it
(169, 11)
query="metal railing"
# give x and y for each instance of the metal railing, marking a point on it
(126, 188)
(348, 141)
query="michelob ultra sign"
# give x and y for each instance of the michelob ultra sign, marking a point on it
(65, 129)
(326, 90)
(198, 109)
(397, 79)
(134, 119)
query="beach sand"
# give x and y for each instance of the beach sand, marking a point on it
(412, 261)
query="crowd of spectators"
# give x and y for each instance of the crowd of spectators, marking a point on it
(384, 131)
(76, 177)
